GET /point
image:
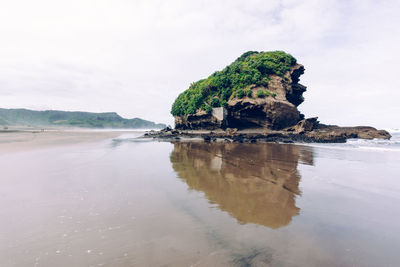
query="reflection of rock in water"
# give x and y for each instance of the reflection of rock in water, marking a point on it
(255, 183)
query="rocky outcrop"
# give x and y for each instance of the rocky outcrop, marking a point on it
(266, 113)
(308, 131)
(276, 110)
(363, 132)
(313, 129)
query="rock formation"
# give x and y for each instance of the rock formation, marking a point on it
(256, 97)
(276, 111)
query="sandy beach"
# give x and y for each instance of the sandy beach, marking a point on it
(22, 140)
(102, 198)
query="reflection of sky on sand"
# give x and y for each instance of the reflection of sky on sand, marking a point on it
(253, 183)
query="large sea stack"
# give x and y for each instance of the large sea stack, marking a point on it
(256, 90)
(259, 91)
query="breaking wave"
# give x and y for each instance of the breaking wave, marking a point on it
(362, 144)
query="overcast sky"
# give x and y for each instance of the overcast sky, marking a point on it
(135, 57)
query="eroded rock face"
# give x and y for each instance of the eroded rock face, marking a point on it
(306, 125)
(201, 120)
(294, 90)
(266, 113)
(276, 111)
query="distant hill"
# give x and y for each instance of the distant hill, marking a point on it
(26, 117)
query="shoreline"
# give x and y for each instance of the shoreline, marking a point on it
(26, 140)
(323, 134)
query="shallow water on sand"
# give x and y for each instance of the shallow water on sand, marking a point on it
(121, 202)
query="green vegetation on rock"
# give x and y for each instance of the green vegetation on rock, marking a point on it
(249, 93)
(260, 93)
(264, 93)
(251, 68)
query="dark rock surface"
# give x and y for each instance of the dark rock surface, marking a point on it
(306, 131)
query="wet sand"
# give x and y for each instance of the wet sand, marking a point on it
(105, 199)
(23, 140)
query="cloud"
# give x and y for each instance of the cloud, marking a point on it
(135, 57)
